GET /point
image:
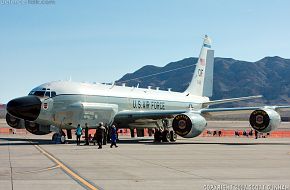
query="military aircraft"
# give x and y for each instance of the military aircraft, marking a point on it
(60, 105)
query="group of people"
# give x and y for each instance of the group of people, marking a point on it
(214, 133)
(245, 133)
(251, 133)
(100, 136)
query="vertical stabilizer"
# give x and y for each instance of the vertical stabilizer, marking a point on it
(202, 80)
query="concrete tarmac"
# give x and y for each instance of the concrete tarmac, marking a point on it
(32, 162)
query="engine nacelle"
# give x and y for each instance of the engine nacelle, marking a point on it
(265, 120)
(36, 128)
(189, 125)
(14, 122)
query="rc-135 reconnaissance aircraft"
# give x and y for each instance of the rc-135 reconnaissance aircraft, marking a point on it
(65, 104)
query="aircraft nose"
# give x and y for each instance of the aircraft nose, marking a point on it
(27, 107)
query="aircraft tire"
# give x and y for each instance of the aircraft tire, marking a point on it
(165, 136)
(157, 136)
(62, 139)
(54, 137)
(173, 136)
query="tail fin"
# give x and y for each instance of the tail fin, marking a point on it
(202, 80)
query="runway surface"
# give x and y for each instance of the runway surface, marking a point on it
(32, 162)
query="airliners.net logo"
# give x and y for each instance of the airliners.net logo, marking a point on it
(27, 2)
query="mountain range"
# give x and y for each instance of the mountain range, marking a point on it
(269, 77)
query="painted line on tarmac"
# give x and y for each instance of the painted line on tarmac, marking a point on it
(66, 169)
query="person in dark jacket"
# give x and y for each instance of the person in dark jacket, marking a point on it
(105, 134)
(256, 134)
(100, 134)
(86, 134)
(113, 136)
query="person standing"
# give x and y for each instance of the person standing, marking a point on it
(100, 134)
(256, 134)
(86, 134)
(114, 136)
(105, 134)
(79, 134)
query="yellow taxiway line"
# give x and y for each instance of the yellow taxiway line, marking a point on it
(66, 169)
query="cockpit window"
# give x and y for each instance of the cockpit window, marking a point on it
(47, 93)
(42, 93)
(39, 93)
(53, 94)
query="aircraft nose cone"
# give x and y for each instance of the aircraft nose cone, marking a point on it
(27, 107)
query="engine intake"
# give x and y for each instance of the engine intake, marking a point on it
(36, 128)
(14, 122)
(264, 120)
(189, 125)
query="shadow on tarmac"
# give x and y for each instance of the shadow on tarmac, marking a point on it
(5, 141)
(23, 141)
(150, 142)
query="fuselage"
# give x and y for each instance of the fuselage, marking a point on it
(61, 96)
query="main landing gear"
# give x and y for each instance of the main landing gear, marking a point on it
(60, 137)
(164, 136)
(164, 132)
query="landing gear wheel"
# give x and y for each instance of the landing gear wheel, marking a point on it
(173, 136)
(58, 138)
(54, 137)
(165, 136)
(62, 139)
(157, 136)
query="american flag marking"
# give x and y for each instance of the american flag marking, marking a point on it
(202, 62)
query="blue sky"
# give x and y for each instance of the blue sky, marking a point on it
(100, 41)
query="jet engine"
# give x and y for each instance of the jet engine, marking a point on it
(189, 125)
(265, 120)
(14, 122)
(36, 128)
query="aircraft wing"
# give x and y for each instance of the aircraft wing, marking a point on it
(206, 112)
(144, 119)
(226, 111)
(222, 101)
(282, 108)
(238, 110)
(160, 114)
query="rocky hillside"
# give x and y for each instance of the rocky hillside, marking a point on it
(269, 77)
